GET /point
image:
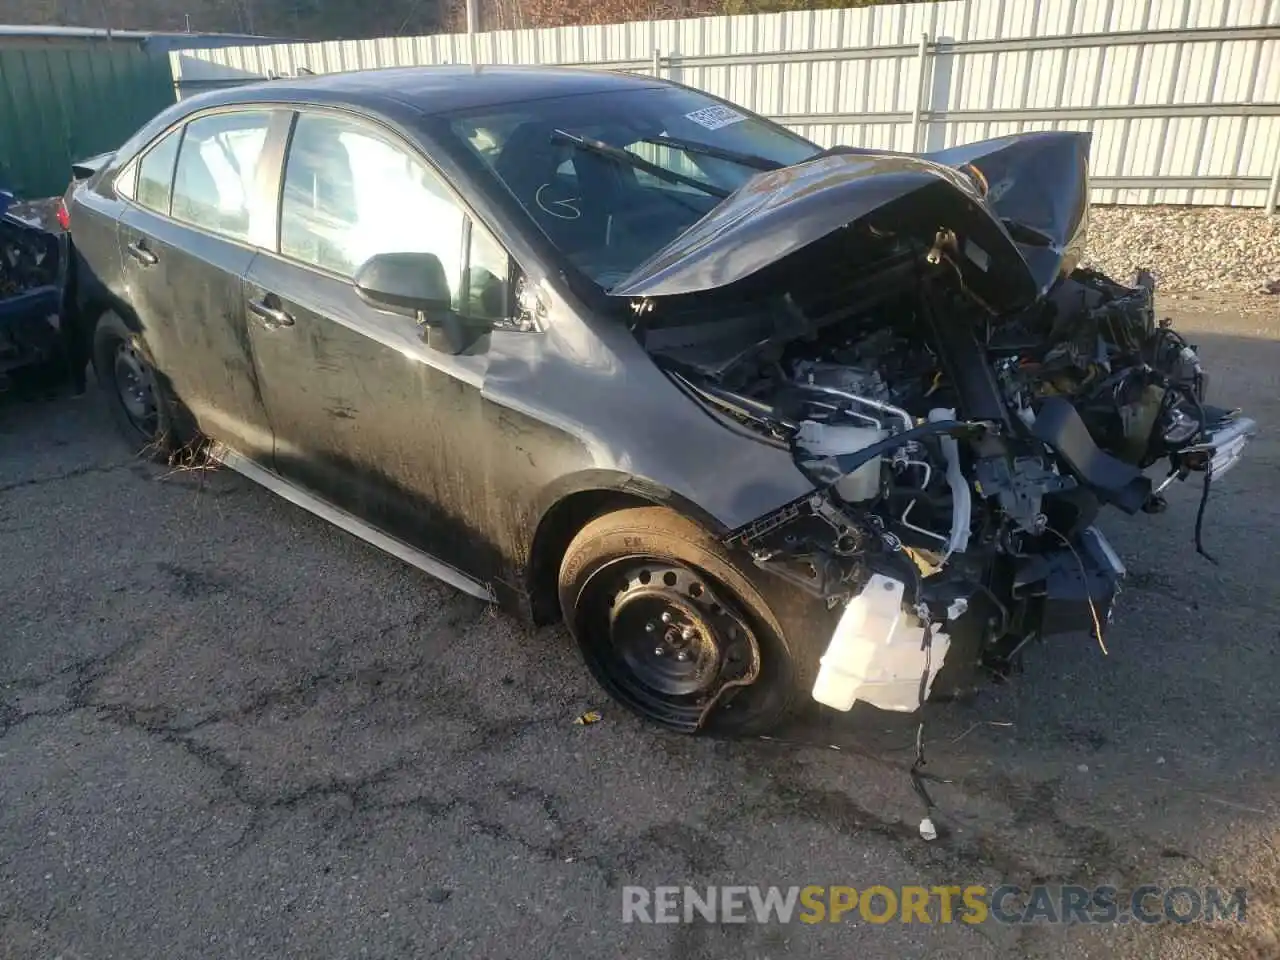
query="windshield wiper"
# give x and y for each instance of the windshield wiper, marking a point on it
(639, 163)
(707, 150)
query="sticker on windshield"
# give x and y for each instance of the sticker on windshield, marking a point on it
(713, 118)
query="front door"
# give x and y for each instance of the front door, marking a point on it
(185, 246)
(366, 415)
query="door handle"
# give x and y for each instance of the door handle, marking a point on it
(271, 316)
(139, 251)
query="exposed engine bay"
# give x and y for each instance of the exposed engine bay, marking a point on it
(969, 459)
(962, 441)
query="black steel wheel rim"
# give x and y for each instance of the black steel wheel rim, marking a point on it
(135, 388)
(661, 638)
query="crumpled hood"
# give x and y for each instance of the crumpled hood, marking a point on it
(1036, 183)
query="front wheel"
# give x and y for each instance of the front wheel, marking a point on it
(676, 627)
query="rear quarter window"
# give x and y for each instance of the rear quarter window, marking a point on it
(127, 182)
(155, 174)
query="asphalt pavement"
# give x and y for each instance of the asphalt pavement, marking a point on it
(230, 730)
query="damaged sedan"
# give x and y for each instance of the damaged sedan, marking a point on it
(763, 423)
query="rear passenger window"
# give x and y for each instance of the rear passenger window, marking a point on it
(213, 187)
(350, 193)
(155, 174)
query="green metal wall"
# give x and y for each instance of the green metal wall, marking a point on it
(66, 101)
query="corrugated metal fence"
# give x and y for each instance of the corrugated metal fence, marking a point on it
(65, 102)
(68, 93)
(1183, 96)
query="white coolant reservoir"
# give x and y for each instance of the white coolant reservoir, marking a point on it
(877, 652)
(825, 440)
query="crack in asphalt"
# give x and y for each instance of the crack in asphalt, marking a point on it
(487, 735)
(1091, 852)
(83, 672)
(71, 474)
(1089, 855)
(575, 845)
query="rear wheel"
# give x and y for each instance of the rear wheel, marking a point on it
(676, 628)
(135, 396)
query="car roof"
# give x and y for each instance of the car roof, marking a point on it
(430, 90)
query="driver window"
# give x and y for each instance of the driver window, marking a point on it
(351, 193)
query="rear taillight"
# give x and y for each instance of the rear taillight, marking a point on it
(63, 215)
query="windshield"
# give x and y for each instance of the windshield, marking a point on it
(613, 178)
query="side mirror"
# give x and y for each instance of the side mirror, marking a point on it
(416, 284)
(413, 283)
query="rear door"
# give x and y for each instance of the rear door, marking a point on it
(186, 242)
(365, 414)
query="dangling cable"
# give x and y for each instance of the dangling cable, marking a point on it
(1204, 500)
(927, 828)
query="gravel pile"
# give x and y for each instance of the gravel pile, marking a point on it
(1189, 249)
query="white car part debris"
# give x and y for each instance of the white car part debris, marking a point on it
(877, 652)
(961, 498)
(927, 830)
(824, 440)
